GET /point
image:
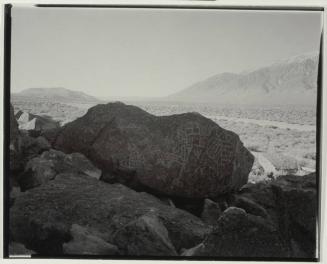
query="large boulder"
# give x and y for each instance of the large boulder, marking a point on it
(183, 155)
(42, 218)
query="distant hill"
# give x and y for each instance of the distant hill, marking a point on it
(292, 81)
(57, 95)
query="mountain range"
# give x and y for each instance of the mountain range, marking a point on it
(292, 81)
(57, 95)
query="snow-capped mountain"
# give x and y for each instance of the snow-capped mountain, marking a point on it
(292, 81)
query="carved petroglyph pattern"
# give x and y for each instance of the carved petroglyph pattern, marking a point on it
(188, 137)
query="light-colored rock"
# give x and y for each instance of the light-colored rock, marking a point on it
(194, 251)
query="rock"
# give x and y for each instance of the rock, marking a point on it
(45, 168)
(249, 206)
(211, 212)
(14, 145)
(239, 234)
(167, 201)
(37, 172)
(51, 134)
(17, 249)
(86, 243)
(74, 162)
(41, 218)
(185, 155)
(298, 210)
(194, 251)
(145, 236)
(291, 203)
(193, 206)
(32, 147)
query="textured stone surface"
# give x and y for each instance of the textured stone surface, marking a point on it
(19, 249)
(211, 212)
(185, 155)
(146, 236)
(15, 144)
(291, 203)
(239, 234)
(86, 243)
(45, 167)
(37, 172)
(41, 218)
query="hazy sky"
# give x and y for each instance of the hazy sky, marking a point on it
(149, 52)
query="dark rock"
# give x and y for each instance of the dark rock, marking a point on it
(74, 162)
(183, 155)
(145, 236)
(298, 207)
(41, 218)
(32, 147)
(51, 134)
(87, 243)
(18, 249)
(193, 206)
(239, 234)
(15, 145)
(37, 172)
(211, 212)
(249, 206)
(45, 168)
(291, 203)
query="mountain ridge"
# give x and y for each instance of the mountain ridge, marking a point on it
(292, 81)
(59, 94)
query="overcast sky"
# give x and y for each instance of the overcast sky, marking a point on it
(149, 52)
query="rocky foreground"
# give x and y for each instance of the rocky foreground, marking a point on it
(121, 182)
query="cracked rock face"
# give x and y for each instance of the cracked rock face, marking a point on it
(185, 155)
(42, 218)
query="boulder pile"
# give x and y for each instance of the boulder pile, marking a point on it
(78, 199)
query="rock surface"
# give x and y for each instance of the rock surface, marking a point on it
(239, 234)
(211, 212)
(291, 203)
(45, 167)
(146, 236)
(41, 218)
(15, 144)
(184, 155)
(17, 249)
(85, 243)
